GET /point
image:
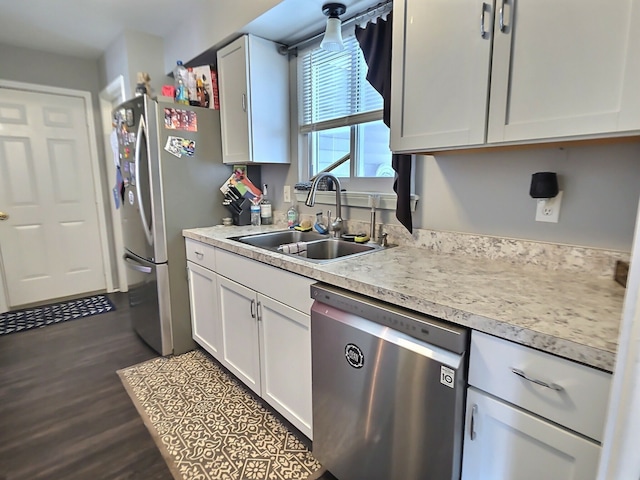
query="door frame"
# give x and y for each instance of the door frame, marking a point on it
(113, 95)
(95, 169)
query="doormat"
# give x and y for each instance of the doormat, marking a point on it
(28, 318)
(208, 427)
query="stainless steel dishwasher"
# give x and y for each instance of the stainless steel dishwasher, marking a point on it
(388, 389)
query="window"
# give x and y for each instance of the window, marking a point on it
(341, 113)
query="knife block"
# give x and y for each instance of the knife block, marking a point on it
(242, 214)
(244, 217)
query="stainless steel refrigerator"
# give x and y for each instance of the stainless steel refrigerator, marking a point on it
(170, 173)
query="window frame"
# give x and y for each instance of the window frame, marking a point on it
(304, 132)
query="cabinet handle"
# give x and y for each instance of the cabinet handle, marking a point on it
(259, 311)
(503, 27)
(472, 423)
(552, 386)
(483, 32)
(253, 309)
(244, 102)
(199, 254)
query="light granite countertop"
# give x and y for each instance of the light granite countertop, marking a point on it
(570, 314)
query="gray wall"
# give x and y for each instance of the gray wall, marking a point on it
(114, 62)
(130, 53)
(42, 68)
(216, 24)
(488, 193)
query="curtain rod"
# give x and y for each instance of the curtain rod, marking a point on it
(286, 49)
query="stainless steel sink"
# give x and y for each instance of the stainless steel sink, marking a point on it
(275, 239)
(315, 247)
(332, 248)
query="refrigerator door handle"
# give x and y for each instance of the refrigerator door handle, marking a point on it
(142, 129)
(134, 264)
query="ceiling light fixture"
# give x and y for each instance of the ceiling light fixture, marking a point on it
(332, 40)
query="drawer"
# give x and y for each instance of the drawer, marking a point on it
(286, 287)
(201, 253)
(579, 402)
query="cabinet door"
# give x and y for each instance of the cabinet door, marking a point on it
(512, 444)
(234, 101)
(563, 69)
(240, 332)
(440, 73)
(285, 344)
(205, 309)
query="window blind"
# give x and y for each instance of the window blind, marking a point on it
(335, 91)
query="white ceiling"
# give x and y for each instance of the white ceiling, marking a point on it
(85, 28)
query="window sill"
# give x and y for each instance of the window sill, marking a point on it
(356, 199)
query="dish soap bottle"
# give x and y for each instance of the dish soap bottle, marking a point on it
(292, 216)
(266, 213)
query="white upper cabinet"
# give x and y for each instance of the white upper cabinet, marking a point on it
(440, 73)
(469, 73)
(254, 101)
(564, 69)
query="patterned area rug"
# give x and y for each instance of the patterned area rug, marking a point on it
(209, 427)
(21, 320)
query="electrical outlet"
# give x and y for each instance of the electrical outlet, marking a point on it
(548, 209)
(287, 193)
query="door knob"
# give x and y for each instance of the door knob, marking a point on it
(4, 216)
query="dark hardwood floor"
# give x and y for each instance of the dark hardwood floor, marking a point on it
(64, 413)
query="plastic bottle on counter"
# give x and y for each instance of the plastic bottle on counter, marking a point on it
(266, 212)
(292, 216)
(191, 87)
(255, 214)
(180, 81)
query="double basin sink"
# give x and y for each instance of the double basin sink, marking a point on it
(311, 246)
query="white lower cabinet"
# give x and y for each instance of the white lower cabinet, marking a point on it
(205, 320)
(205, 316)
(505, 442)
(267, 345)
(240, 346)
(285, 363)
(531, 415)
(254, 319)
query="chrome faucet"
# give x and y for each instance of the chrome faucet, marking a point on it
(336, 225)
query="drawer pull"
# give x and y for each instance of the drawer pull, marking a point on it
(199, 254)
(552, 386)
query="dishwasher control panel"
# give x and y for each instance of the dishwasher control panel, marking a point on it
(423, 327)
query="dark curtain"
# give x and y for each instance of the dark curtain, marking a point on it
(375, 42)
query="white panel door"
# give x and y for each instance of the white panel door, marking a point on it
(50, 243)
(240, 332)
(205, 309)
(441, 61)
(285, 343)
(509, 443)
(563, 69)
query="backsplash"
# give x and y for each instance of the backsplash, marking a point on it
(553, 256)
